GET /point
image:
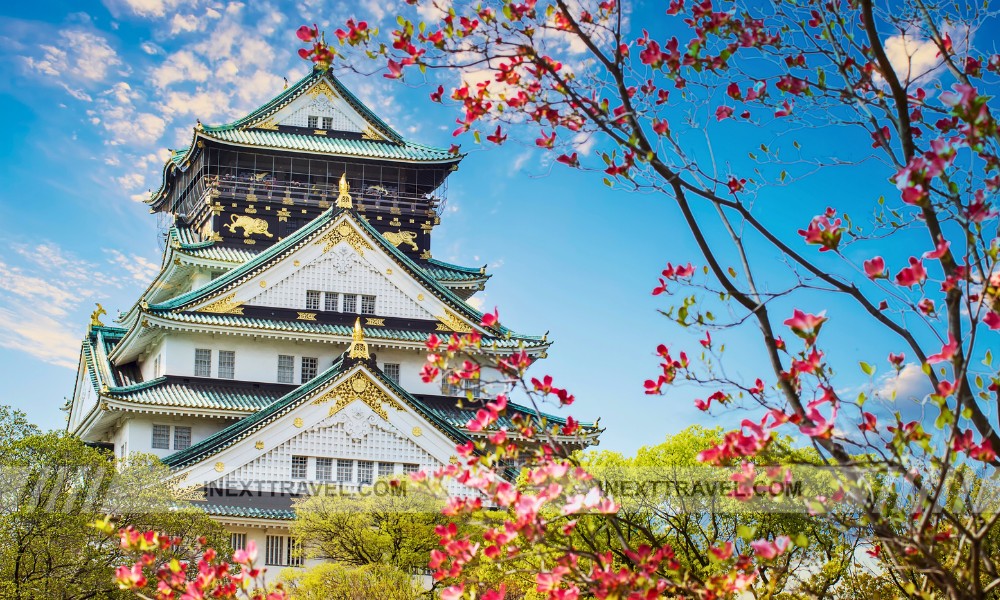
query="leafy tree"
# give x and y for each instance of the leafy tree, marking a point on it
(917, 262)
(671, 511)
(388, 524)
(53, 487)
(335, 581)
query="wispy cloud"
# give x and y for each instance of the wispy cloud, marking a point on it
(45, 289)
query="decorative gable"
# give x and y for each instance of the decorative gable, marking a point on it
(340, 271)
(321, 109)
(355, 433)
(352, 416)
(338, 258)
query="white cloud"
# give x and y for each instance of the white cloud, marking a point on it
(39, 335)
(137, 267)
(146, 8)
(48, 292)
(150, 48)
(913, 56)
(131, 181)
(909, 384)
(91, 59)
(184, 23)
(182, 66)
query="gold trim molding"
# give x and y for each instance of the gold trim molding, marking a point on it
(451, 321)
(224, 306)
(322, 87)
(359, 387)
(344, 232)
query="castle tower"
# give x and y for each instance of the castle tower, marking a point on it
(281, 343)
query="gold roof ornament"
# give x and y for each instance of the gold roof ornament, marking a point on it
(95, 317)
(359, 347)
(344, 199)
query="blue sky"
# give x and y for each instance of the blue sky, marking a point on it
(94, 93)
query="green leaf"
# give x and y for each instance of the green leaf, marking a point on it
(746, 532)
(802, 541)
(867, 368)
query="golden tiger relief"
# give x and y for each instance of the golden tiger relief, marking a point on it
(402, 237)
(250, 225)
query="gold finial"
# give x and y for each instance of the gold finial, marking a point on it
(344, 199)
(95, 317)
(359, 347)
(286, 84)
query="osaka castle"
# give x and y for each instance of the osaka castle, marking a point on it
(280, 345)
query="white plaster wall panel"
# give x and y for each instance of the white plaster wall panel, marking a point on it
(139, 433)
(147, 364)
(340, 270)
(344, 119)
(256, 359)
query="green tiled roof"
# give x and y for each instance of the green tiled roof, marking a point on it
(311, 327)
(230, 435)
(443, 271)
(199, 394)
(191, 243)
(237, 431)
(405, 151)
(448, 410)
(100, 341)
(248, 512)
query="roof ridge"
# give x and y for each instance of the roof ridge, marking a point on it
(447, 265)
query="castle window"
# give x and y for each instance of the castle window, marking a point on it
(391, 371)
(161, 437)
(312, 121)
(294, 553)
(324, 469)
(202, 362)
(332, 301)
(462, 388)
(182, 437)
(327, 122)
(227, 364)
(238, 541)
(366, 470)
(410, 468)
(368, 305)
(350, 303)
(274, 550)
(312, 300)
(158, 366)
(385, 469)
(345, 470)
(286, 368)
(308, 368)
(300, 467)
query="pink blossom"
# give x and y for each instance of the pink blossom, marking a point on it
(806, 326)
(875, 268)
(769, 550)
(915, 274)
(946, 353)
